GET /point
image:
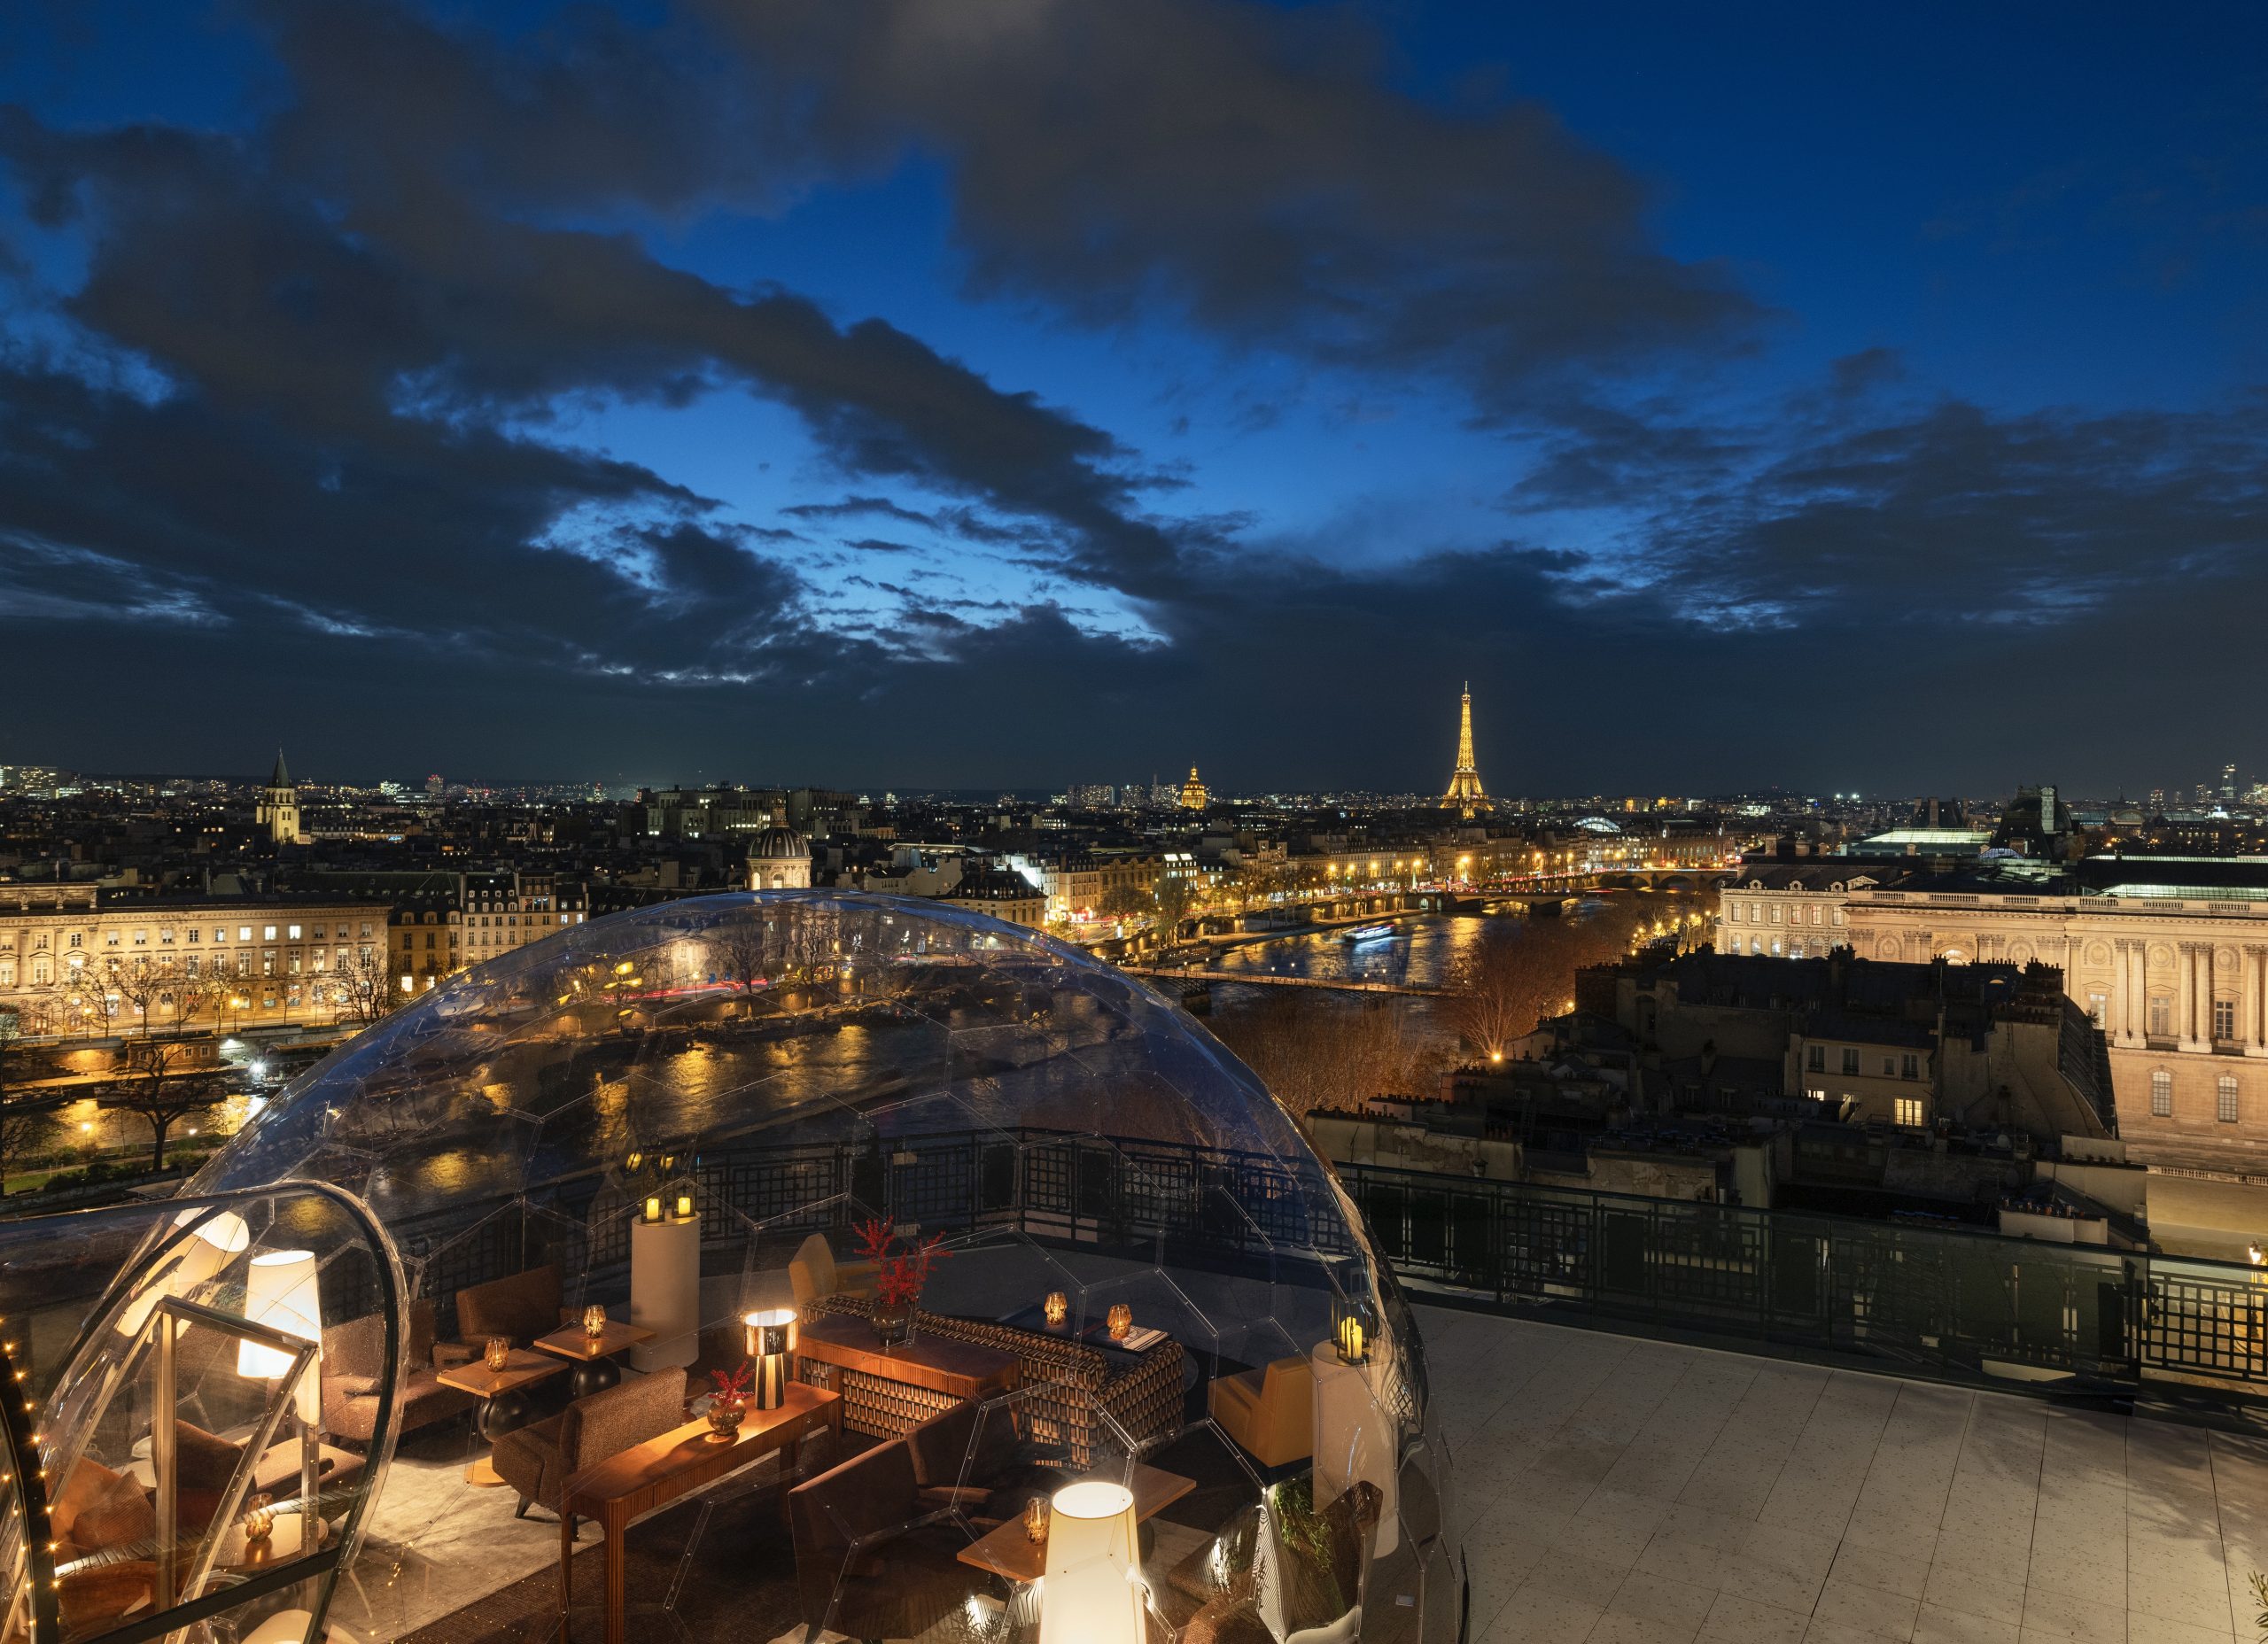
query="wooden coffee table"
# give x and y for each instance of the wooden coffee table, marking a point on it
(893, 1389)
(650, 1475)
(593, 1357)
(1006, 1551)
(504, 1398)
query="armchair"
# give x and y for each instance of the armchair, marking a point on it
(1270, 1412)
(353, 1360)
(814, 1272)
(524, 1307)
(537, 1461)
(975, 1459)
(870, 1561)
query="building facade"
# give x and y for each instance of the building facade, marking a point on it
(77, 961)
(2168, 956)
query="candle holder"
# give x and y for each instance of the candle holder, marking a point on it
(1353, 1326)
(260, 1522)
(594, 1322)
(1057, 1309)
(1036, 1520)
(498, 1353)
(1121, 1319)
(685, 1206)
(653, 1206)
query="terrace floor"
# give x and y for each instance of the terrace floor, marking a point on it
(1619, 1490)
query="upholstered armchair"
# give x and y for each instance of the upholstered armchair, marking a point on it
(524, 1307)
(1270, 1412)
(814, 1272)
(353, 1365)
(208, 1461)
(871, 1560)
(538, 1459)
(976, 1461)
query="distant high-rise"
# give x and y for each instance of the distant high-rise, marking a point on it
(1465, 794)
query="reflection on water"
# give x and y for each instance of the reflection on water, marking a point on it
(1423, 952)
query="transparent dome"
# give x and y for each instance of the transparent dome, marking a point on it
(709, 1118)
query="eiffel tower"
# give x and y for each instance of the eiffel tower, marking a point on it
(1465, 794)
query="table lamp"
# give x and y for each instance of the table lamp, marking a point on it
(281, 1292)
(771, 1339)
(1354, 1327)
(1093, 1593)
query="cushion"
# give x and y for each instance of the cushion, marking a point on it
(100, 1508)
(350, 1386)
(817, 1254)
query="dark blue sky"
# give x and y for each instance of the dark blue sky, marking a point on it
(1028, 392)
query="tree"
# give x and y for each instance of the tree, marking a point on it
(1173, 897)
(1518, 973)
(741, 954)
(143, 983)
(361, 987)
(89, 999)
(19, 1128)
(1125, 901)
(158, 1089)
(1330, 1055)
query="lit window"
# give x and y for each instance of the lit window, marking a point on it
(290, 931)
(2225, 1100)
(1907, 1111)
(2160, 1094)
(243, 933)
(2096, 1005)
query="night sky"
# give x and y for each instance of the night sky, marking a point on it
(1008, 392)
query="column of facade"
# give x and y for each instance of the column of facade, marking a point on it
(2127, 978)
(2255, 1001)
(2185, 999)
(2204, 1029)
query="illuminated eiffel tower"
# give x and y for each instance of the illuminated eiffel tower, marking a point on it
(1465, 793)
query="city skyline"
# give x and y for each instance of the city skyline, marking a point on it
(402, 371)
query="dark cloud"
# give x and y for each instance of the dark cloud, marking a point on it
(1249, 165)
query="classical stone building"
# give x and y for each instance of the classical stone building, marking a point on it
(2169, 955)
(76, 960)
(779, 860)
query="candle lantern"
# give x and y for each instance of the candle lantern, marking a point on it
(1352, 1325)
(594, 1322)
(653, 1206)
(1036, 1519)
(1057, 1308)
(685, 1206)
(1122, 1321)
(498, 1353)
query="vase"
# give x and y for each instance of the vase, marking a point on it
(893, 1322)
(724, 1419)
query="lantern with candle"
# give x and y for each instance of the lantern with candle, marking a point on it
(1057, 1309)
(1352, 1325)
(594, 1322)
(1121, 1321)
(497, 1353)
(685, 1206)
(653, 1206)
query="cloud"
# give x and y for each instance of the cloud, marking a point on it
(1251, 167)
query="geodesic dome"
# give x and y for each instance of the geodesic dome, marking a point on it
(704, 1110)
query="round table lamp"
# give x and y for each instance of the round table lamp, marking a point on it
(280, 1293)
(1093, 1593)
(771, 1339)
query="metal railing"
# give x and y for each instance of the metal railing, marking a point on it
(1946, 1302)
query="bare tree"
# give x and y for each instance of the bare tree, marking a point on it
(1520, 973)
(1329, 1055)
(144, 982)
(87, 994)
(741, 954)
(155, 1088)
(361, 987)
(19, 1128)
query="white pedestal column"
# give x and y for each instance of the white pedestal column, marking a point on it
(665, 1291)
(1355, 1437)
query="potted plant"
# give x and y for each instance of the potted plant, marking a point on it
(899, 1275)
(728, 1403)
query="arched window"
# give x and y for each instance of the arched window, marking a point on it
(2160, 1094)
(2225, 1100)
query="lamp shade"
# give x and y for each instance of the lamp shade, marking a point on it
(218, 1236)
(1093, 1593)
(280, 1293)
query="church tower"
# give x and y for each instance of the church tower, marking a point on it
(1465, 794)
(279, 805)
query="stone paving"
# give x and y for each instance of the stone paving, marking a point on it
(1626, 1492)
